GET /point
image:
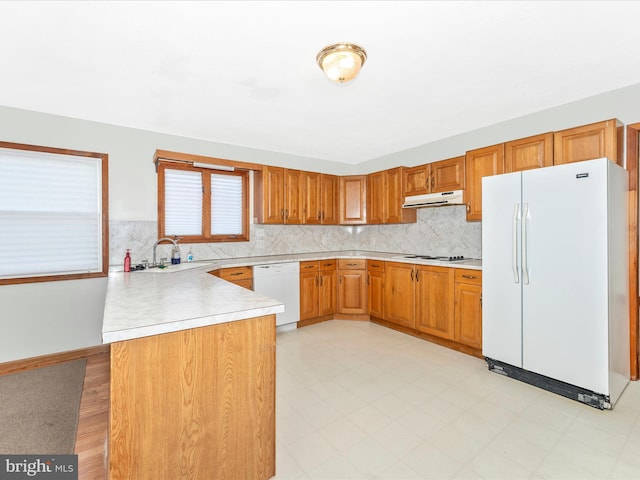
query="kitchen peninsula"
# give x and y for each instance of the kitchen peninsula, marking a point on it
(193, 369)
(192, 391)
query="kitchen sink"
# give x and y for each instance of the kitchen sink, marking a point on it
(171, 268)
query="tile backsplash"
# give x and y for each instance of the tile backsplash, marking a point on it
(438, 231)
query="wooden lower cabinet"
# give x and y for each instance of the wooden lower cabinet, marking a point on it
(242, 276)
(375, 288)
(352, 287)
(437, 303)
(434, 301)
(317, 290)
(468, 307)
(309, 291)
(194, 404)
(399, 294)
(328, 288)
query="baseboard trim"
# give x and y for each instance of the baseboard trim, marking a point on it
(51, 359)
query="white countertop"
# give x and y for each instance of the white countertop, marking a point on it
(184, 296)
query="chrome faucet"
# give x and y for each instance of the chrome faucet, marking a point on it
(163, 239)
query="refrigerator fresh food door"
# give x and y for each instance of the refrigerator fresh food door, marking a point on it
(502, 269)
(565, 302)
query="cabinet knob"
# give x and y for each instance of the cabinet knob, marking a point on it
(471, 277)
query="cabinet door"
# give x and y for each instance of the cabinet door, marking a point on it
(311, 191)
(376, 198)
(399, 293)
(353, 200)
(329, 199)
(375, 284)
(596, 140)
(417, 180)
(448, 175)
(352, 291)
(479, 163)
(434, 301)
(270, 195)
(394, 198)
(528, 153)
(293, 196)
(309, 283)
(328, 291)
(468, 314)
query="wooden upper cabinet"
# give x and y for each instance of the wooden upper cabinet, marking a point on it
(528, 153)
(441, 176)
(292, 196)
(394, 198)
(353, 200)
(481, 162)
(448, 175)
(311, 199)
(385, 195)
(329, 199)
(375, 198)
(269, 195)
(319, 199)
(278, 195)
(596, 140)
(417, 180)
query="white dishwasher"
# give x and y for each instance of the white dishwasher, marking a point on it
(280, 281)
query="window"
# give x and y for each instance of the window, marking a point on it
(53, 214)
(202, 205)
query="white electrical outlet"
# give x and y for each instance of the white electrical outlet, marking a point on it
(260, 244)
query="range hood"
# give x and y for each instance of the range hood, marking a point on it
(454, 197)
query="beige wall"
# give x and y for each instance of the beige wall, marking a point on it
(50, 317)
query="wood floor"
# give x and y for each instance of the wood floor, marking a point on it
(93, 423)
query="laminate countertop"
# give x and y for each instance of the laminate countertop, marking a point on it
(180, 297)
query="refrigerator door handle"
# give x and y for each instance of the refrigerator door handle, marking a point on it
(525, 263)
(514, 242)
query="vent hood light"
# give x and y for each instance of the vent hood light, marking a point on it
(441, 199)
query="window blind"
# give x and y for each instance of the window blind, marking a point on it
(182, 202)
(50, 214)
(226, 204)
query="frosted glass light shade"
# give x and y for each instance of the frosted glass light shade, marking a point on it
(341, 62)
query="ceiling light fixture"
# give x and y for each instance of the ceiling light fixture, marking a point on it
(341, 62)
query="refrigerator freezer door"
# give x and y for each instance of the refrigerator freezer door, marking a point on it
(502, 272)
(565, 303)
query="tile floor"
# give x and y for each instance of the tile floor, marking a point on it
(355, 400)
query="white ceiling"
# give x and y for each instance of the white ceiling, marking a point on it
(244, 73)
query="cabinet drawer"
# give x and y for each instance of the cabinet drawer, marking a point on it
(377, 265)
(327, 264)
(352, 264)
(234, 273)
(309, 266)
(464, 275)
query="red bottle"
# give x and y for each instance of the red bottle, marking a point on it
(127, 262)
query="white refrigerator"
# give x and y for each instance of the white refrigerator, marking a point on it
(555, 296)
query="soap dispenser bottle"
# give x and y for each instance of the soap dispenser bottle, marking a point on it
(175, 255)
(127, 261)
